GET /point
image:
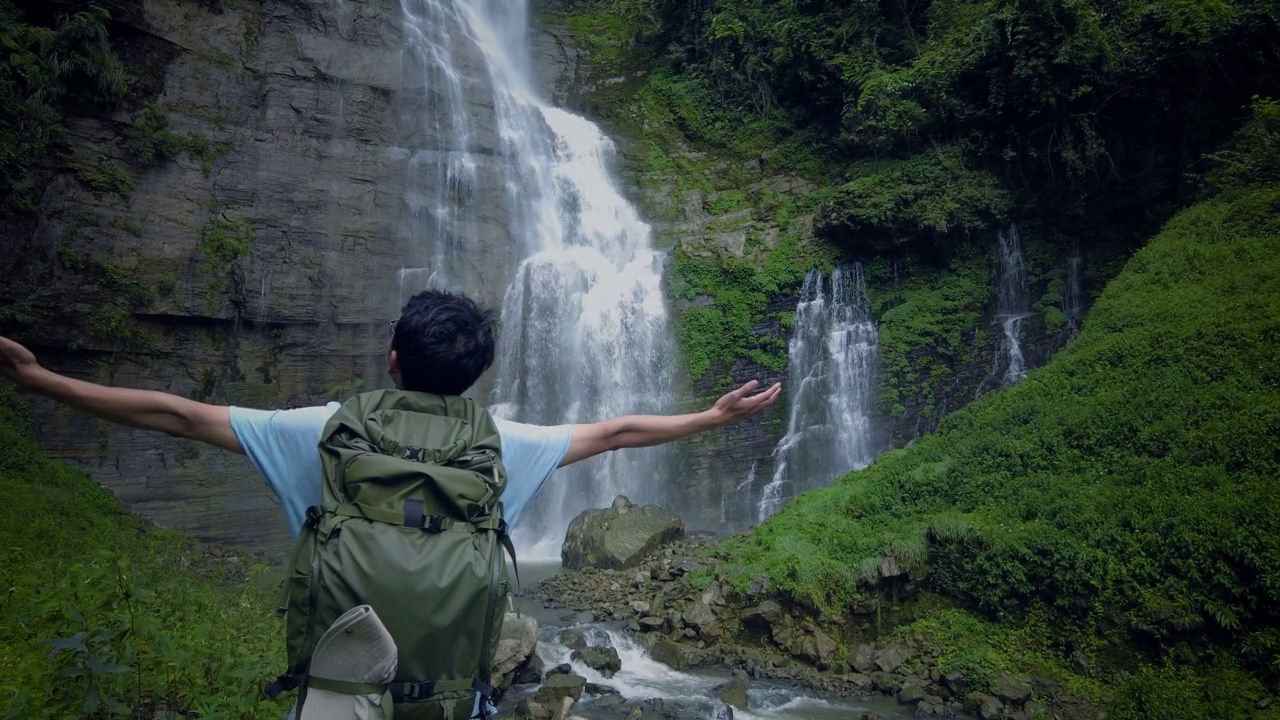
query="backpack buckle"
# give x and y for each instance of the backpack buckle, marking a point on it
(413, 453)
(401, 692)
(434, 524)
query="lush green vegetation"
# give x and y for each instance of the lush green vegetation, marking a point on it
(104, 616)
(1068, 105)
(1127, 489)
(925, 127)
(43, 71)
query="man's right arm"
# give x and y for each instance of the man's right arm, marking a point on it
(147, 409)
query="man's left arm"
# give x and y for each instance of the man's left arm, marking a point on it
(633, 431)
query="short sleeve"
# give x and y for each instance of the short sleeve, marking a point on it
(282, 446)
(530, 453)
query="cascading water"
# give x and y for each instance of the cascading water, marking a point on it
(1012, 307)
(585, 328)
(833, 353)
(1073, 293)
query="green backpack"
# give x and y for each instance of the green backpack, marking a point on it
(410, 523)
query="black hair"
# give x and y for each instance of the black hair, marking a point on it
(444, 342)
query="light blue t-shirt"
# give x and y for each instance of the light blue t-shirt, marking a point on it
(282, 445)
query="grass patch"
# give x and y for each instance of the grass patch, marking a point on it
(106, 616)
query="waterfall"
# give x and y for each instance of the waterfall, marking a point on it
(585, 328)
(1073, 293)
(1012, 307)
(832, 360)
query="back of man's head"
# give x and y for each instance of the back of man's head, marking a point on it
(443, 342)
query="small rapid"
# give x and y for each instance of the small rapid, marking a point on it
(662, 691)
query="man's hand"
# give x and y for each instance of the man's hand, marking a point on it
(735, 406)
(147, 409)
(18, 363)
(633, 431)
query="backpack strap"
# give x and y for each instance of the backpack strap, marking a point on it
(413, 516)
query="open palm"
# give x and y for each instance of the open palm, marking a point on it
(735, 405)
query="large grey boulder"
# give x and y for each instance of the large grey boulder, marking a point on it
(617, 537)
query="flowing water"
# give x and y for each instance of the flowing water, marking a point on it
(832, 361)
(585, 329)
(1012, 307)
(643, 678)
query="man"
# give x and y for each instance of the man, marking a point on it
(441, 344)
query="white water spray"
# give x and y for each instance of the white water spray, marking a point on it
(1012, 306)
(833, 353)
(585, 328)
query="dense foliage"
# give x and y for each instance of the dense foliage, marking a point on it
(43, 71)
(103, 616)
(1129, 484)
(1069, 106)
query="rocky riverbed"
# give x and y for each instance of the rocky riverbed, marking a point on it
(674, 602)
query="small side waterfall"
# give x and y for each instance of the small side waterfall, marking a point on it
(832, 363)
(1012, 308)
(1073, 293)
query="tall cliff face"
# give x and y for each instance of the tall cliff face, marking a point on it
(258, 267)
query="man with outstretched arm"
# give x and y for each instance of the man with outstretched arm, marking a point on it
(441, 344)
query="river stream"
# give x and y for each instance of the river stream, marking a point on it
(689, 694)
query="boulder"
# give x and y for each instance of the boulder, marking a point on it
(699, 616)
(817, 649)
(515, 645)
(983, 705)
(574, 639)
(765, 615)
(686, 709)
(1012, 690)
(891, 658)
(530, 672)
(911, 692)
(529, 708)
(566, 704)
(557, 688)
(672, 654)
(604, 660)
(954, 680)
(652, 623)
(864, 659)
(734, 693)
(617, 537)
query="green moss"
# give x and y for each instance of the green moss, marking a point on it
(107, 179)
(716, 335)
(114, 326)
(225, 240)
(150, 140)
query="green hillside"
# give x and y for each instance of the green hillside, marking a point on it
(100, 609)
(1125, 495)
